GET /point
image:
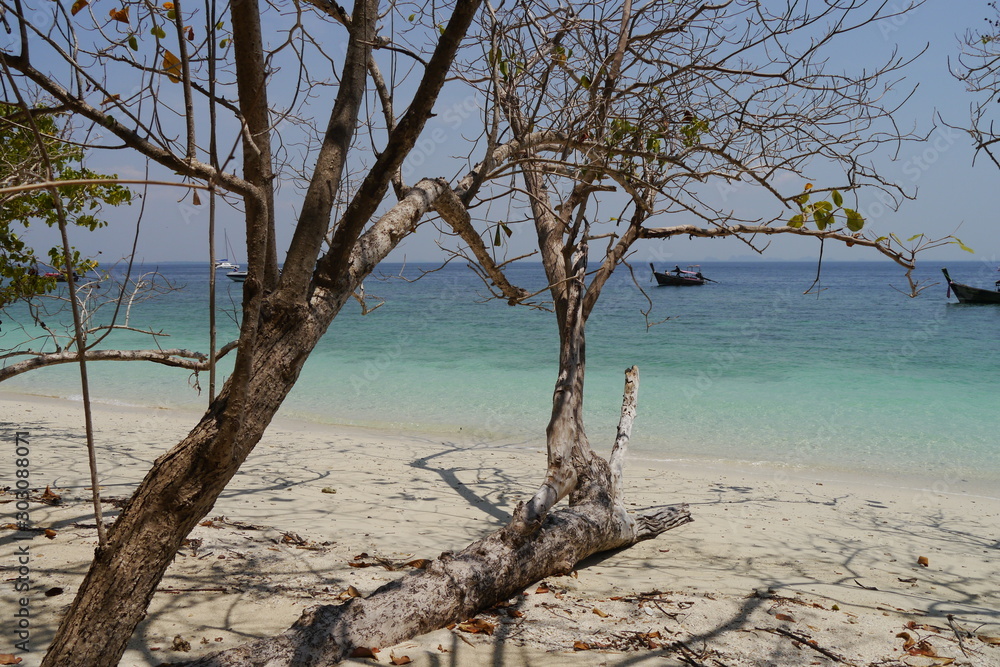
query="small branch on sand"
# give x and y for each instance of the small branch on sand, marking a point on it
(811, 643)
(178, 591)
(959, 632)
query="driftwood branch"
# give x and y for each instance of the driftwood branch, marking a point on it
(452, 588)
(455, 586)
(629, 401)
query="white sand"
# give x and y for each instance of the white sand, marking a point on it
(825, 559)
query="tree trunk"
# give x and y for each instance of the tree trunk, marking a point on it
(537, 543)
(177, 492)
(183, 484)
(455, 587)
(569, 452)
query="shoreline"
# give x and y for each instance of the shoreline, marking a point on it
(835, 561)
(943, 484)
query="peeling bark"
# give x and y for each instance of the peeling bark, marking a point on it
(451, 589)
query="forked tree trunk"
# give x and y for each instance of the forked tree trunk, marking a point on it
(455, 586)
(184, 483)
(537, 543)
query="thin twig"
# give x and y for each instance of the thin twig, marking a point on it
(178, 591)
(98, 181)
(958, 634)
(459, 635)
(819, 270)
(811, 643)
(68, 268)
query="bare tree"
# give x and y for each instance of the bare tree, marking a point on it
(978, 65)
(629, 114)
(590, 106)
(184, 72)
(603, 120)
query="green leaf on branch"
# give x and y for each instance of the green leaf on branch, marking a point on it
(22, 269)
(692, 131)
(854, 220)
(822, 218)
(796, 221)
(838, 199)
(962, 245)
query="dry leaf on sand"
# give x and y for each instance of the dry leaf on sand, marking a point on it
(476, 626)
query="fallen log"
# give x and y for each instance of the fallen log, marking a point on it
(455, 586)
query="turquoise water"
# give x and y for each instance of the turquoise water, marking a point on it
(858, 379)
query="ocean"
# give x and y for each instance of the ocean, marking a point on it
(855, 378)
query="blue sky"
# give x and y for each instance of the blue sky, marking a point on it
(952, 195)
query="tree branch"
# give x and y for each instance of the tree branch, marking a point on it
(190, 168)
(736, 230)
(177, 358)
(402, 139)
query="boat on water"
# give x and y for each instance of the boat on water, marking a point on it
(679, 277)
(224, 263)
(237, 276)
(61, 276)
(969, 294)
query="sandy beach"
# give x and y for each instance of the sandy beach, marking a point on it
(780, 567)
